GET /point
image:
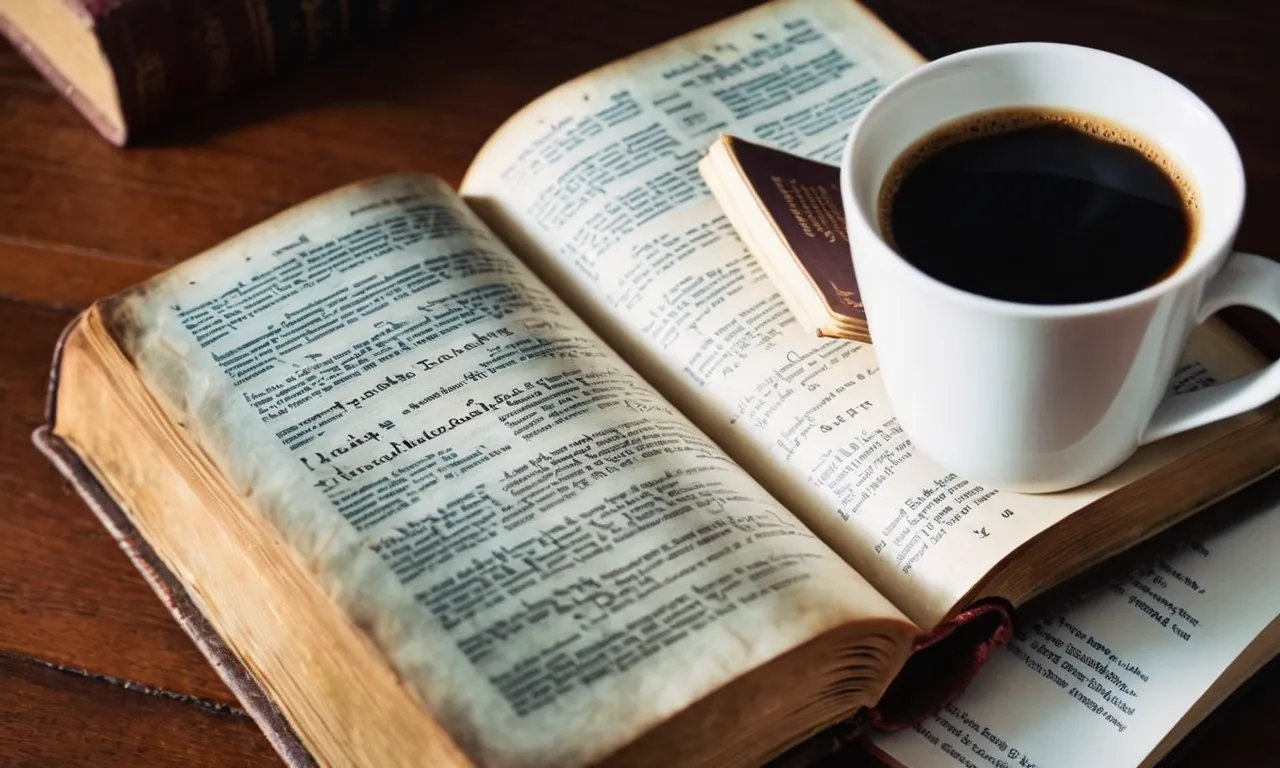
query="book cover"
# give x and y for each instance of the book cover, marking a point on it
(802, 199)
(787, 209)
(129, 65)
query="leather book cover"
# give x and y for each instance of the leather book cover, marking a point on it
(173, 56)
(801, 198)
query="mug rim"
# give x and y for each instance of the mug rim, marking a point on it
(1202, 255)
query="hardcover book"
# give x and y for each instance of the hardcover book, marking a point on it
(542, 471)
(787, 210)
(127, 65)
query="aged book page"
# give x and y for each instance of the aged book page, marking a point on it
(1111, 679)
(550, 556)
(596, 184)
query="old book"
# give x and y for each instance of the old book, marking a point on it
(1120, 677)
(543, 471)
(128, 64)
(787, 210)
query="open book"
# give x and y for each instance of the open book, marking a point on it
(1121, 677)
(544, 473)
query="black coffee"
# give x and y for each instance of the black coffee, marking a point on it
(1038, 207)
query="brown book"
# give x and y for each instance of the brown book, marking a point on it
(787, 209)
(129, 64)
(542, 472)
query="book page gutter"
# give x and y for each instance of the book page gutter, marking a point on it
(523, 525)
(597, 186)
(1104, 682)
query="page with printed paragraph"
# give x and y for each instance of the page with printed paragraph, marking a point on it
(550, 556)
(597, 186)
(1105, 682)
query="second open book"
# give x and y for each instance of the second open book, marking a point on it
(546, 474)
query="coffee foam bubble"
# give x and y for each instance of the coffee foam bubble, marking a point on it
(1011, 119)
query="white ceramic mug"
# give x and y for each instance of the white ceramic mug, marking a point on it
(1039, 398)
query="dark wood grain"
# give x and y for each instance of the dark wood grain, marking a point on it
(426, 101)
(54, 718)
(80, 219)
(68, 595)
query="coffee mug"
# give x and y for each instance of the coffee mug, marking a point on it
(1040, 398)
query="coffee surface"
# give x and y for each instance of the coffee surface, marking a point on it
(1038, 207)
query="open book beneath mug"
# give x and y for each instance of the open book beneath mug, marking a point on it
(543, 472)
(1121, 677)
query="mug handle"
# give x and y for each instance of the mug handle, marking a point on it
(1249, 281)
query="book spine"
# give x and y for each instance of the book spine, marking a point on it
(174, 56)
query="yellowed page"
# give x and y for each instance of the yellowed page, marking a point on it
(596, 185)
(550, 556)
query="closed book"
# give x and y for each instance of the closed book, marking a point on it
(787, 209)
(128, 65)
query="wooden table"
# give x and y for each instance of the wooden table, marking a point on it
(92, 669)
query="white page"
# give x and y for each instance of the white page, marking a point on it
(596, 186)
(1147, 650)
